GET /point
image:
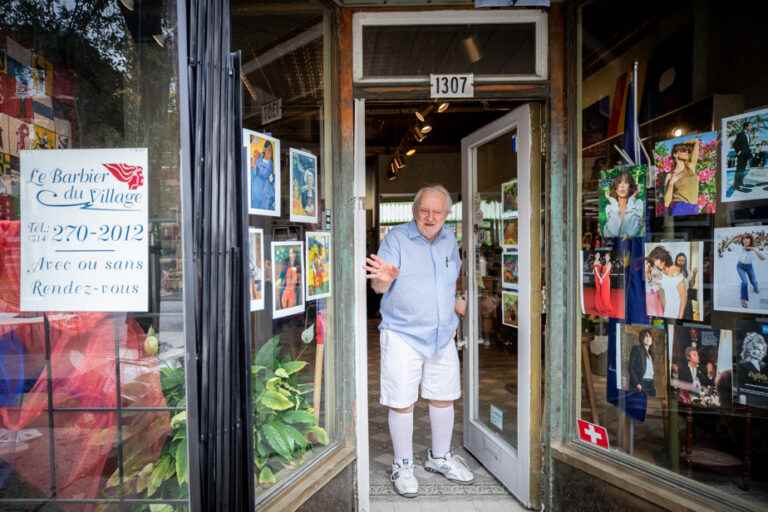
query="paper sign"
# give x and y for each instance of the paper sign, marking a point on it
(497, 417)
(452, 86)
(272, 111)
(84, 230)
(593, 434)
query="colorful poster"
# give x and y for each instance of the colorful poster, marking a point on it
(686, 171)
(509, 199)
(303, 186)
(84, 238)
(641, 359)
(741, 269)
(263, 160)
(510, 270)
(622, 202)
(287, 278)
(319, 266)
(700, 365)
(744, 156)
(5, 135)
(751, 367)
(673, 280)
(43, 138)
(509, 304)
(256, 268)
(509, 233)
(602, 283)
(21, 135)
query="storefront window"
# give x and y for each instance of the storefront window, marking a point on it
(674, 240)
(287, 148)
(92, 387)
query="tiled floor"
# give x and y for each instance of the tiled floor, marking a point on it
(435, 492)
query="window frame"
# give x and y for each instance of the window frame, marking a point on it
(643, 479)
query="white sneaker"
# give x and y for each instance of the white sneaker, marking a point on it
(404, 480)
(451, 467)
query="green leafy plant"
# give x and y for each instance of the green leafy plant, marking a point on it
(285, 426)
(166, 477)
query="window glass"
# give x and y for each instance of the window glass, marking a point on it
(490, 49)
(674, 247)
(92, 391)
(287, 153)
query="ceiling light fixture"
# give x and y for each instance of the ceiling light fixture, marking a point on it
(425, 129)
(422, 114)
(443, 107)
(410, 152)
(417, 135)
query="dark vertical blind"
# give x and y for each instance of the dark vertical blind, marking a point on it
(215, 185)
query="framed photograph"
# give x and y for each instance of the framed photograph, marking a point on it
(741, 269)
(303, 186)
(509, 199)
(744, 156)
(750, 366)
(640, 346)
(256, 268)
(509, 304)
(700, 365)
(287, 278)
(509, 233)
(509, 270)
(602, 283)
(622, 202)
(673, 280)
(686, 174)
(263, 161)
(319, 266)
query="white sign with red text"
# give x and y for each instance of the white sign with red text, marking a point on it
(84, 230)
(593, 434)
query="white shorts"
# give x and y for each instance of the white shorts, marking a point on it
(403, 369)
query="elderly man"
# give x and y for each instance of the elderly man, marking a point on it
(416, 269)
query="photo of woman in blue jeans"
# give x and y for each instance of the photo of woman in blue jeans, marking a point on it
(746, 269)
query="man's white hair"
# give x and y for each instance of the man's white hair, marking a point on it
(432, 188)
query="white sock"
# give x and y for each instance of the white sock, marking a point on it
(441, 419)
(401, 431)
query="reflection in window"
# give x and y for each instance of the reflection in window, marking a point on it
(92, 404)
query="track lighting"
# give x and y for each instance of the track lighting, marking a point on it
(425, 129)
(422, 114)
(443, 107)
(410, 152)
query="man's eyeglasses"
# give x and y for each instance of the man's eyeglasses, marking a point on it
(424, 212)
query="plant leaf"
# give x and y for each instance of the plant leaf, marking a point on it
(181, 462)
(308, 334)
(275, 401)
(282, 373)
(266, 477)
(320, 434)
(260, 461)
(142, 479)
(297, 437)
(303, 417)
(276, 440)
(268, 353)
(179, 419)
(280, 426)
(160, 507)
(293, 366)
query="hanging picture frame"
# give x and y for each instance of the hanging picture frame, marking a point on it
(287, 278)
(262, 163)
(319, 265)
(256, 268)
(303, 186)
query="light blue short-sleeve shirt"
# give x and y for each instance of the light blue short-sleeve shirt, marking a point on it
(420, 303)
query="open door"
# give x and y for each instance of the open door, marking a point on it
(502, 258)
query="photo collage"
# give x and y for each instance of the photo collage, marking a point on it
(509, 255)
(299, 270)
(666, 286)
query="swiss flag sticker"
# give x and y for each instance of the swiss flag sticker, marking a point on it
(593, 434)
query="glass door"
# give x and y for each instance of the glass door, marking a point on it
(502, 261)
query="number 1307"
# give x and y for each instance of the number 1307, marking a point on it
(452, 86)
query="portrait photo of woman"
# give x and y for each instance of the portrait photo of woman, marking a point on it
(623, 209)
(751, 367)
(681, 262)
(641, 365)
(741, 269)
(746, 269)
(681, 186)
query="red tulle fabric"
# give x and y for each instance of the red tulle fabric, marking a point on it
(83, 375)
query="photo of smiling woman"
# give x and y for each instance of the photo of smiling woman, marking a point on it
(741, 269)
(622, 202)
(641, 365)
